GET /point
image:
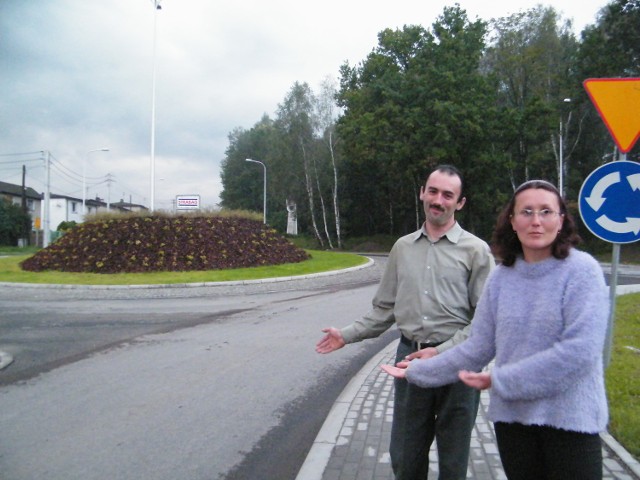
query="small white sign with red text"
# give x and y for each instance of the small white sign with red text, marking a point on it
(187, 202)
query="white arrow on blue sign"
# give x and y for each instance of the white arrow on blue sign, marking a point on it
(609, 202)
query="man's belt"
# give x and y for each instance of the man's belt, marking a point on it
(418, 345)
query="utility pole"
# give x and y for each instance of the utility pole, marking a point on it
(46, 227)
(25, 232)
(109, 182)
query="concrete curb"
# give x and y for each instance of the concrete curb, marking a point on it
(622, 453)
(320, 453)
(625, 289)
(369, 263)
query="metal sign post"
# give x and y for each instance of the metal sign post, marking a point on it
(609, 202)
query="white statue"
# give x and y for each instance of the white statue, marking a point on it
(292, 218)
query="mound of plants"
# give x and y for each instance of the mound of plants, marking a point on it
(161, 243)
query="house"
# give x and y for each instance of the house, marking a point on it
(62, 208)
(129, 207)
(33, 200)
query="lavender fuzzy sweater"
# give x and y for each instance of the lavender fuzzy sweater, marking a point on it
(545, 325)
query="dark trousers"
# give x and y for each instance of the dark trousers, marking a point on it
(447, 413)
(532, 452)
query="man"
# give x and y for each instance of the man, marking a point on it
(430, 287)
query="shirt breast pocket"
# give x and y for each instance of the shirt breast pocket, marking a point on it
(452, 286)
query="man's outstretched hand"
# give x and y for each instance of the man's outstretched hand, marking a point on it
(331, 341)
(422, 354)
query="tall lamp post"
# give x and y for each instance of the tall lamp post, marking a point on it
(560, 154)
(157, 7)
(84, 179)
(264, 167)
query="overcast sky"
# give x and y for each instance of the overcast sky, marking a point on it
(76, 76)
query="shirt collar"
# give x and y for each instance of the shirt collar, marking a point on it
(453, 234)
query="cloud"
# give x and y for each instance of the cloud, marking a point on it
(77, 76)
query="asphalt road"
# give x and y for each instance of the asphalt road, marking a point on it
(207, 382)
(197, 383)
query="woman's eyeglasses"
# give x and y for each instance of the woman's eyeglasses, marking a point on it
(544, 215)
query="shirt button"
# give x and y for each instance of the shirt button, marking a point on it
(426, 292)
(425, 318)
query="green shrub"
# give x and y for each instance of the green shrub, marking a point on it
(65, 226)
(15, 223)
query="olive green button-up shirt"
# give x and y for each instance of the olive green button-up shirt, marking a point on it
(429, 289)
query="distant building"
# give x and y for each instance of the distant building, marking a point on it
(129, 207)
(62, 208)
(33, 200)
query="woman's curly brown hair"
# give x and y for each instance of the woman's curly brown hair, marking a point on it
(505, 243)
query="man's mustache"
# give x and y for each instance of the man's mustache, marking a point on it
(437, 207)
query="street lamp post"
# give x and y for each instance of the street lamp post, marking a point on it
(157, 7)
(84, 179)
(560, 154)
(264, 167)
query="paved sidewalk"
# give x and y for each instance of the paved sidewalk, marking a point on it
(353, 443)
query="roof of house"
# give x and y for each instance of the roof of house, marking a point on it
(124, 204)
(56, 195)
(16, 191)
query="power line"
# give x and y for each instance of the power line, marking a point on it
(72, 174)
(65, 175)
(21, 153)
(68, 172)
(20, 162)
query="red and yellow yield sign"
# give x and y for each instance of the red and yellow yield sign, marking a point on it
(618, 103)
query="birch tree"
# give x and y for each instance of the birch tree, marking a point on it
(296, 121)
(326, 112)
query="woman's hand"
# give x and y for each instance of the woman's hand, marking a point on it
(481, 380)
(399, 371)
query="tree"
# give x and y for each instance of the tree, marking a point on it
(611, 47)
(325, 108)
(14, 221)
(242, 186)
(296, 125)
(376, 130)
(423, 97)
(303, 121)
(418, 100)
(533, 57)
(298, 149)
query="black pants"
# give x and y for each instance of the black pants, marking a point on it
(531, 452)
(447, 413)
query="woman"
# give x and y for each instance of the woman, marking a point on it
(543, 317)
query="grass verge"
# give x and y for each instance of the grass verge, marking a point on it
(320, 261)
(623, 375)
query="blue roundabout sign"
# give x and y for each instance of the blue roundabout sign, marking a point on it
(609, 202)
